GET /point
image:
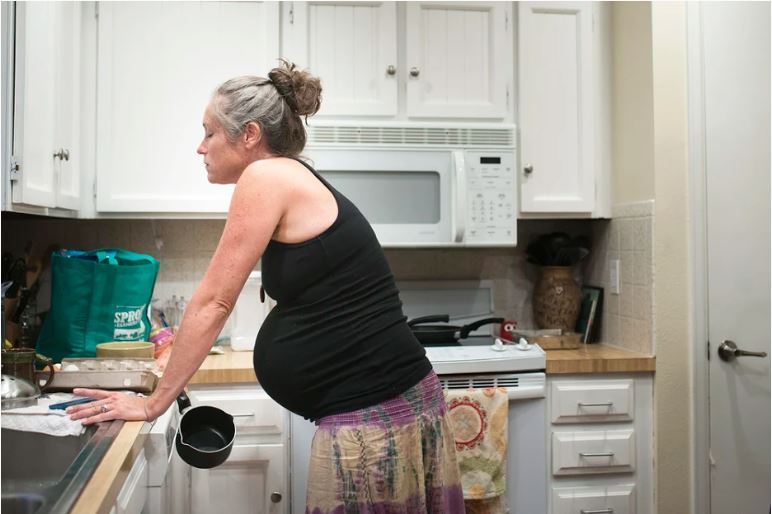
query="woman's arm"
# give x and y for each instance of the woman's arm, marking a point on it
(257, 206)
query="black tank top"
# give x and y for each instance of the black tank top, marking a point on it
(337, 339)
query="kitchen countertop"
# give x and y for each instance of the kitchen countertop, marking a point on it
(598, 358)
(102, 490)
(236, 367)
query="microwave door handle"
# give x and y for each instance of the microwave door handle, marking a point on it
(459, 205)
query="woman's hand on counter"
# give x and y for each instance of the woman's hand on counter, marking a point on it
(110, 405)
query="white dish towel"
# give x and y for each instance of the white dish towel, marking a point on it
(39, 418)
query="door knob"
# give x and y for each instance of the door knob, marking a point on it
(391, 70)
(528, 169)
(275, 497)
(728, 352)
(414, 71)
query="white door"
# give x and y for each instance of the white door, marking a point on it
(736, 75)
(157, 66)
(251, 481)
(352, 47)
(556, 108)
(458, 57)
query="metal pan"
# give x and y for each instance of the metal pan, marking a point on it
(205, 434)
(445, 334)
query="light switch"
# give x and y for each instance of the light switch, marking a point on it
(613, 267)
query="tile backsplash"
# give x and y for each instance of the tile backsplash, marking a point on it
(184, 248)
(627, 317)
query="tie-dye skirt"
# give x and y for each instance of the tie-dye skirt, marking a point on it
(397, 457)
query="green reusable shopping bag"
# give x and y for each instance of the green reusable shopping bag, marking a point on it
(96, 296)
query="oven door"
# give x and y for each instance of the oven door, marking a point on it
(406, 195)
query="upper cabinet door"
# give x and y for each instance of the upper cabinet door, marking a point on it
(67, 109)
(556, 107)
(35, 124)
(158, 64)
(458, 59)
(352, 47)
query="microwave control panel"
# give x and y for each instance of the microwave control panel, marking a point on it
(490, 197)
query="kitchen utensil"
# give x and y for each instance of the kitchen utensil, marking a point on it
(205, 434)
(20, 362)
(123, 350)
(445, 334)
(64, 405)
(17, 392)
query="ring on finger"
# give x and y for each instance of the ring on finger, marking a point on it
(104, 409)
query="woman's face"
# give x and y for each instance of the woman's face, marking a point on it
(224, 160)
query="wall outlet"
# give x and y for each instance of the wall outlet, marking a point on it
(613, 266)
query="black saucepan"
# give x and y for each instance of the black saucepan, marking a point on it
(444, 334)
(205, 434)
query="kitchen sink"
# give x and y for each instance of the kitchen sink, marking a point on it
(46, 474)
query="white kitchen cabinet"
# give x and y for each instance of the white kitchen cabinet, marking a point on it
(255, 477)
(457, 60)
(46, 156)
(157, 66)
(597, 500)
(601, 443)
(251, 481)
(133, 495)
(564, 107)
(352, 47)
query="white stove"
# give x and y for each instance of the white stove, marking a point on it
(484, 357)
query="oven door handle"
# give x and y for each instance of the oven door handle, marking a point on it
(458, 209)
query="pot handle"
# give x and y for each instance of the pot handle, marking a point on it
(183, 402)
(466, 329)
(445, 318)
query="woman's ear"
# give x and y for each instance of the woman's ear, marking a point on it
(252, 135)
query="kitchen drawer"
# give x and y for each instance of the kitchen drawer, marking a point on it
(616, 499)
(252, 409)
(593, 451)
(592, 401)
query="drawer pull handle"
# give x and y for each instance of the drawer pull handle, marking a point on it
(250, 415)
(608, 510)
(597, 454)
(601, 404)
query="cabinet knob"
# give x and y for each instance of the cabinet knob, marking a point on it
(62, 154)
(528, 169)
(275, 497)
(391, 70)
(414, 71)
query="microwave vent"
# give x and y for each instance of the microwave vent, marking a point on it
(419, 136)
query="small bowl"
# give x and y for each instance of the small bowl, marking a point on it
(124, 350)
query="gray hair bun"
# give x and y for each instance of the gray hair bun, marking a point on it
(301, 90)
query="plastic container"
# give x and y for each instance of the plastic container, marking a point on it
(248, 314)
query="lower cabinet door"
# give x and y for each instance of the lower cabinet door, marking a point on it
(252, 481)
(616, 499)
(133, 495)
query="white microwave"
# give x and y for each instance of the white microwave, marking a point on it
(428, 197)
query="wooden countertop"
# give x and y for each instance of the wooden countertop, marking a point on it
(102, 490)
(228, 368)
(236, 367)
(598, 358)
